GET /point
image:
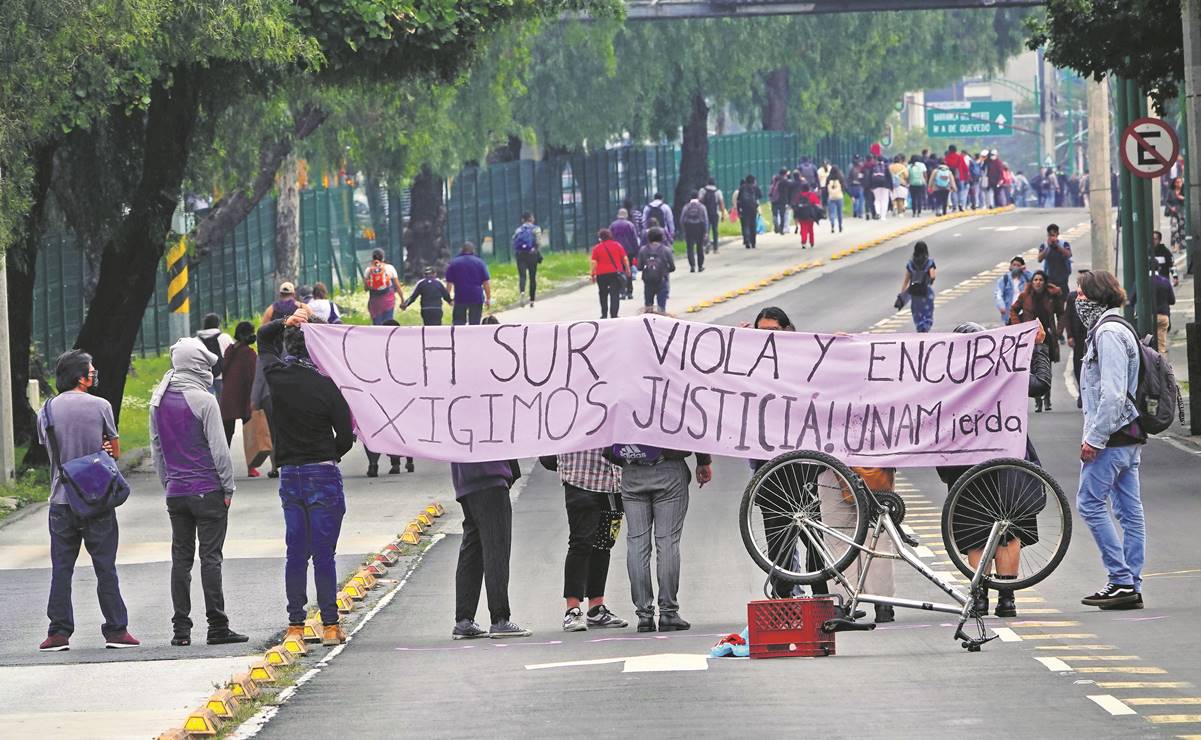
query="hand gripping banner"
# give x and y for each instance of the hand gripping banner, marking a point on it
(474, 393)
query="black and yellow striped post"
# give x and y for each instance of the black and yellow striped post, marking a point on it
(178, 302)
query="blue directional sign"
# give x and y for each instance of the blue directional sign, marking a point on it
(963, 119)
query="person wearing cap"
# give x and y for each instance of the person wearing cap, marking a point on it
(1010, 287)
(431, 292)
(285, 306)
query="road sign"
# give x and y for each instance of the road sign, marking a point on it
(1149, 147)
(963, 119)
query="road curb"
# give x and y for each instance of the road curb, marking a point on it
(841, 254)
(23, 513)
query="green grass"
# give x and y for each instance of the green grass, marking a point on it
(144, 375)
(29, 487)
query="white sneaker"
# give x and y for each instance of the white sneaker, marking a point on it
(573, 621)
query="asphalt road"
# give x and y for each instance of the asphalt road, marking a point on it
(402, 676)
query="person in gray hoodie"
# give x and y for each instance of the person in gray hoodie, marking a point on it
(192, 458)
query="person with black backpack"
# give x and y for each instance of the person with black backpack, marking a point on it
(918, 287)
(879, 181)
(695, 221)
(777, 194)
(527, 256)
(1111, 384)
(658, 210)
(217, 342)
(657, 264)
(747, 200)
(715, 206)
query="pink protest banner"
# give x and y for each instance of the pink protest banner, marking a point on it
(510, 391)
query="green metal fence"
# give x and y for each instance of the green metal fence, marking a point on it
(572, 197)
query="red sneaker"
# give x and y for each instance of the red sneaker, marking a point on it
(55, 644)
(123, 640)
(254, 473)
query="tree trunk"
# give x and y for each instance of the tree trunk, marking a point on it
(129, 265)
(22, 269)
(424, 236)
(287, 223)
(233, 209)
(694, 154)
(509, 152)
(775, 100)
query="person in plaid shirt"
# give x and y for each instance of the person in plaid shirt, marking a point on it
(592, 486)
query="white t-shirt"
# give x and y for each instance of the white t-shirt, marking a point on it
(321, 308)
(1017, 289)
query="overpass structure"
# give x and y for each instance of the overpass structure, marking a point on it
(669, 9)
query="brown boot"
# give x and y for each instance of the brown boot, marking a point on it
(295, 630)
(333, 634)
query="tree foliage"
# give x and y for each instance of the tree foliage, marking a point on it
(1142, 40)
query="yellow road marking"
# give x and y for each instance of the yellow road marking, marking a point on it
(1163, 700)
(1097, 657)
(1140, 670)
(1063, 623)
(1143, 684)
(1030, 600)
(1061, 636)
(1075, 647)
(1042, 611)
(1173, 719)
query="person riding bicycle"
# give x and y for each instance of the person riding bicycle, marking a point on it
(1025, 528)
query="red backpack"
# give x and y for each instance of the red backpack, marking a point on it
(377, 277)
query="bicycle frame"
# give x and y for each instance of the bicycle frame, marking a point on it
(885, 526)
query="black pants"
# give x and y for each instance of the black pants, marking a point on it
(694, 238)
(373, 459)
(714, 222)
(749, 232)
(938, 201)
(610, 287)
(484, 554)
(586, 568)
(230, 425)
(527, 264)
(204, 519)
(431, 316)
(99, 535)
(917, 197)
(467, 313)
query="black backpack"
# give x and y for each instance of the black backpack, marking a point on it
(880, 176)
(747, 200)
(1156, 397)
(213, 344)
(653, 269)
(919, 281)
(709, 198)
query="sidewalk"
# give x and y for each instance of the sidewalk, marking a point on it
(378, 509)
(1182, 314)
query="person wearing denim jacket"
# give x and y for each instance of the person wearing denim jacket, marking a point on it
(1111, 443)
(312, 431)
(1010, 286)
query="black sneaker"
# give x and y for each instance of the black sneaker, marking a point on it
(600, 616)
(1136, 604)
(646, 624)
(467, 629)
(672, 623)
(225, 636)
(885, 614)
(372, 471)
(181, 639)
(1114, 594)
(507, 629)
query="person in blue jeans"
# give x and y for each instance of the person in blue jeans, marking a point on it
(313, 431)
(657, 263)
(1112, 441)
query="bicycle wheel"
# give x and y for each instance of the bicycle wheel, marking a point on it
(1017, 492)
(790, 490)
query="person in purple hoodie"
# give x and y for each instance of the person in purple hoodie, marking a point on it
(625, 233)
(482, 489)
(192, 458)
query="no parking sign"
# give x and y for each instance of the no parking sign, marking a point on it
(1149, 147)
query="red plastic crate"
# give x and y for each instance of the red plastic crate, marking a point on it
(787, 628)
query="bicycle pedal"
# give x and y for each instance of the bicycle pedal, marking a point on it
(909, 539)
(842, 624)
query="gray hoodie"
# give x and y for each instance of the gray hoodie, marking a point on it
(187, 437)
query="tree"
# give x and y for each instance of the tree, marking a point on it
(1142, 40)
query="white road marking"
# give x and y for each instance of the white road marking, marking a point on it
(1112, 704)
(1006, 634)
(923, 552)
(657, 663)
(1054, 664)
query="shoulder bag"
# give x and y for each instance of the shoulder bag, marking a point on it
(93, 482)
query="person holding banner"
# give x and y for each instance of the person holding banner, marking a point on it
(654, 492)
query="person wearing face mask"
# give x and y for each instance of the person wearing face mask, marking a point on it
(1045, 302)
(1010, 286)
(1110, 451)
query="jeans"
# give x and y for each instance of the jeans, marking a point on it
(527, 264)
(431, 317)
(1113, 477)
(655, 292)
(467, 313)
(484, 554)
(779, 216)
(193, 518)
(379, 318)
(314, 505)
(917, 198)
(694, 238)
(655, 498)
(99, 535)
(834, 211)
(586, 568)
(961, 197)
(610, 287)
(856, 202)
(749, 227)
(714, 222)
